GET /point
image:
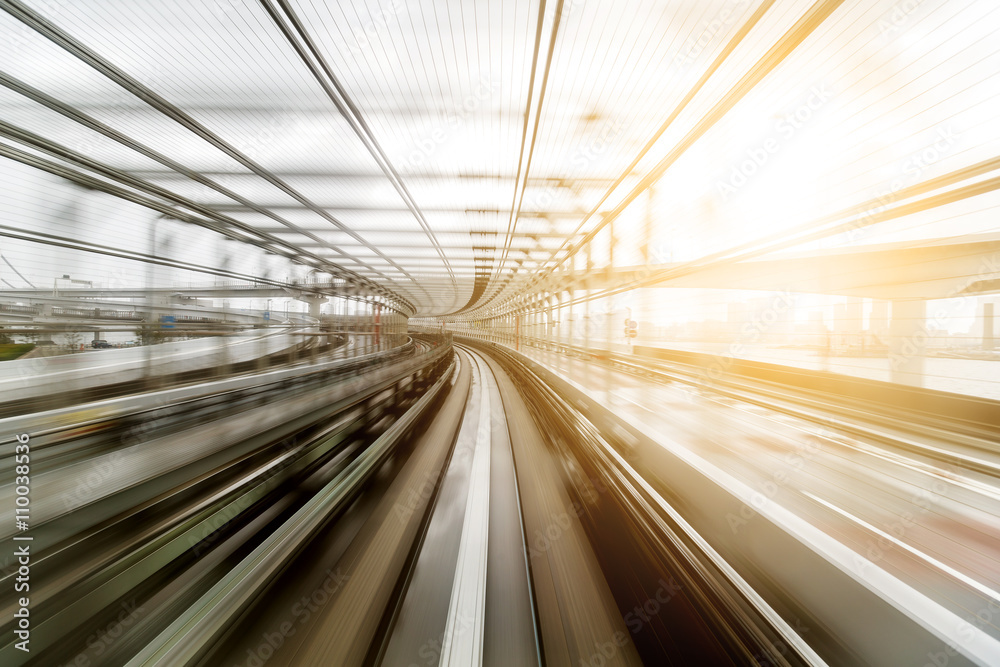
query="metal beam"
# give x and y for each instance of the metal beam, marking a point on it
(361, 229)
(163, 174)
(236, 208)
(71, 45)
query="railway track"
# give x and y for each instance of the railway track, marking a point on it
(454, 512)
(154, 525)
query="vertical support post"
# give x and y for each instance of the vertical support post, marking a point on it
(645, 307)
(878, 323)
(559, 324)
(989, 342)
(608, 312)
(224, 365)
(908, 342)
(152, 325)
(609, 315)
(571, 316)
(586, 303)
(370, 316)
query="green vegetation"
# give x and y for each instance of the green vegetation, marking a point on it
(10, 351)
(149, 333)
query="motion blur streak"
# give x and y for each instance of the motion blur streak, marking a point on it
(497, 333)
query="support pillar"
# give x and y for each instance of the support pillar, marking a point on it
(571, 317)
(645, 306)
(908, 342)
(315, 303)
(609, 318)
(989, 342)
(878, 323)
(855, 321)
(586, 303)
(559, 325)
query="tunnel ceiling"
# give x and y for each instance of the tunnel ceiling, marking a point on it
(449, 151)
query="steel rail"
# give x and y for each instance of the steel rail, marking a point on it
(752, 625)
(195, 632)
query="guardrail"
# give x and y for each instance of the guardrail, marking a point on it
(45, 427)
(281, 407)
(19, 310)
(828, 581)
(907, 406)
(917, 404)
(657, 537)
(199, 628)
(97, 314)
(28, 385)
